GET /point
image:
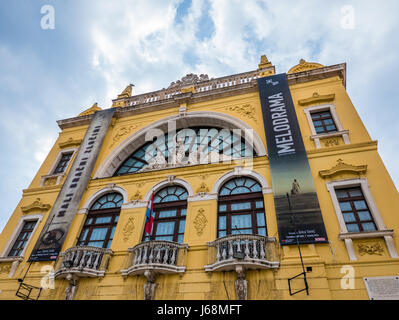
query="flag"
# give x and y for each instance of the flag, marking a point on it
(149, 218)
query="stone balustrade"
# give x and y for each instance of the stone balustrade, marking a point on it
(83, 262)
(157, 257)
(249, 251)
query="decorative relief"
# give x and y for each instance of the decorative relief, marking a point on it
(121, 132)
(5, 268)
(137, 196)
(128, 229)
(189, 79)
(305, 66)
(331, 142)
(200, 222)
(52, 181)
(69, 143)
(203, 188)
(342, 167)
(245, 110)
(316, 98)
(370, 249)
(37, 205)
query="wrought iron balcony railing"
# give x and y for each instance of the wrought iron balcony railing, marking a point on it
(248, 251)
(83, 262)
(156, 257)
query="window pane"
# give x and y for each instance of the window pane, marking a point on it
(317, 123)
(315, 116)
(180, 238)
(352, 227)
(345, 206)
(112, 233)
(240, 206)
(164, 228)
(98, 244)
(222, 223)
(103, 220)
(341, 194)
(183, 212)
(360, 205)
(221, 234)
(259, 204)
(349, 217)
(164, 238)
(222, 208)
(319, 129)
(364, 215)
(98, 234)
(241, 221)
(328, 121)
(240, 190)
(355, 192)
(241, 231)
(262, 231)
(261, 219)
(368, 226)
(167, 213)
(182, 226)
(331, 128)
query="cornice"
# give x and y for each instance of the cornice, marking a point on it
(36, 205)
(342, 167)
(216, 93)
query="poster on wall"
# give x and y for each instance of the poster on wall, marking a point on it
(298, 211)
(66, 205)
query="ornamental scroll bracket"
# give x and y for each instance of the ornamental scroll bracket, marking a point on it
(317, 99)
(36, 205)
(342, 167)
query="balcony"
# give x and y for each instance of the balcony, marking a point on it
(83, 262)
(156, 257)
(242, 251)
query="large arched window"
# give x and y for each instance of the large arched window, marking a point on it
(100, 225)
(200, 144)
(241, 208)
(169, 212)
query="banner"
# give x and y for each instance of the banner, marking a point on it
(57, 225)
(297, 206)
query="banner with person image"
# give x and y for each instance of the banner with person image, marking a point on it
(298, 211)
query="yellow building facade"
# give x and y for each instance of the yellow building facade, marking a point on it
(215, 234)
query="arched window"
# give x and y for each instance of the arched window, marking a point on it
(241, 208)
(201, 145)
(100, 225)
(169, 212)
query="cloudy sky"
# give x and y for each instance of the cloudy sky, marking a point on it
(98, 47)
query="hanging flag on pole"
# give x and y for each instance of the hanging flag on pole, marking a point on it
(149, 218)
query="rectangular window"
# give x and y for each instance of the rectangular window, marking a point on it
(355, 210)
(23, 238)
(323, 122)
(63, 163)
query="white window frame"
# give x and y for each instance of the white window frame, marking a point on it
(382, 230)
(317, 137)
(59, 176)
(38, 218)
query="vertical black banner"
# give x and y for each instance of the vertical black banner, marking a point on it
(297, 206)
(57, 225)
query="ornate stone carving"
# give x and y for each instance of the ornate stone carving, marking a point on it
(5, 268)
(51, 181)
(70, 291)
(159, 162)
(332, 142)
(189, 79)
(316, 98)
(245, 110)
(200, 222)
(91, 110)
(203, 188)
(305, 66)
(342, 167)
(370, 249)
(127, 93)
(69, 143)
(121, 132)
(241, 284)
(128, 229)
(137, 196)
(36, 205)
(149, 286)
(264, 62)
